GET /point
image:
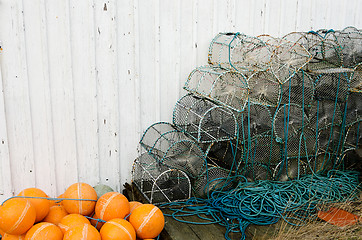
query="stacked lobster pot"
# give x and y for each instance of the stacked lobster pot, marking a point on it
(263, 108)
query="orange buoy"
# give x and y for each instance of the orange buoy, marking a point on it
(56, 214)
(147, 220)
(72, 220)
(118, 229)
(82, 232)
(41, 205)
(44, 231)
(132, 206)
(112, 205)
(17, 215)
(13, 237)
(80, 191)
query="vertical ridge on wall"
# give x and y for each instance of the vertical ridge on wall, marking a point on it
(16, 96)
(107, 92)
(128, 91)
(147, 55)
(61, 93)
(85, 102)
(40, 100)
(6, 184)
(169, 26)
(187, 46)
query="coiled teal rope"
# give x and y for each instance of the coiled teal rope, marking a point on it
(265, 202)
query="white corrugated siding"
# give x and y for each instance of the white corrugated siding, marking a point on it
(81, 80)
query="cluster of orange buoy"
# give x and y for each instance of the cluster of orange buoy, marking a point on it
(33, 216)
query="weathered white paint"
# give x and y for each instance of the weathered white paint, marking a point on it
(81, 80)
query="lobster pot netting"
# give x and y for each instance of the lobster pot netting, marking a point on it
(255, 171)
(333, 84)
(288, 120)
(174, 149)
(287, 59)
(298, 90)
(203, 120)
(291, 168)
(324, 113)
(256, 120)
(350, 41)
(239, 52)
(262, 149)
(303, 144)
(215, 178)
(227, 154)
(326, 54)
(264, 89)
(354, 136)
(356, 79)
(158, 183)
(224, 87)
(309, 40)
(332, 139)
(353, 108)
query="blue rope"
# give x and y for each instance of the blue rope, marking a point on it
(49, 198)
(266, 202)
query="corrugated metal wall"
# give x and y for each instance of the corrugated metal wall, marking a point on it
(81, 80)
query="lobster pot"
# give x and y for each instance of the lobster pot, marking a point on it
(356, 79)
(288, 120)
(226, 154)
(255, 120)
(303, 144)
(333, 84)
(291, 168)
(324, 113)
(203, 120)
(332, 139)
(174, 149)
(215, 178)
(354, 136)
(326, 53)
(224, 87)
(262, 149)
(307, 39)
(255, 171)
(298, 90)
(323, 162)
(287, 59)
(350, 41)
(158, 183)
(264, 89)
(239, 52)
(353, 108)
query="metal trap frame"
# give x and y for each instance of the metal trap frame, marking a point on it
(174, 149)
(203, 120)
(158, 183)
(287, 59)
(239, 52)
(224, 87)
